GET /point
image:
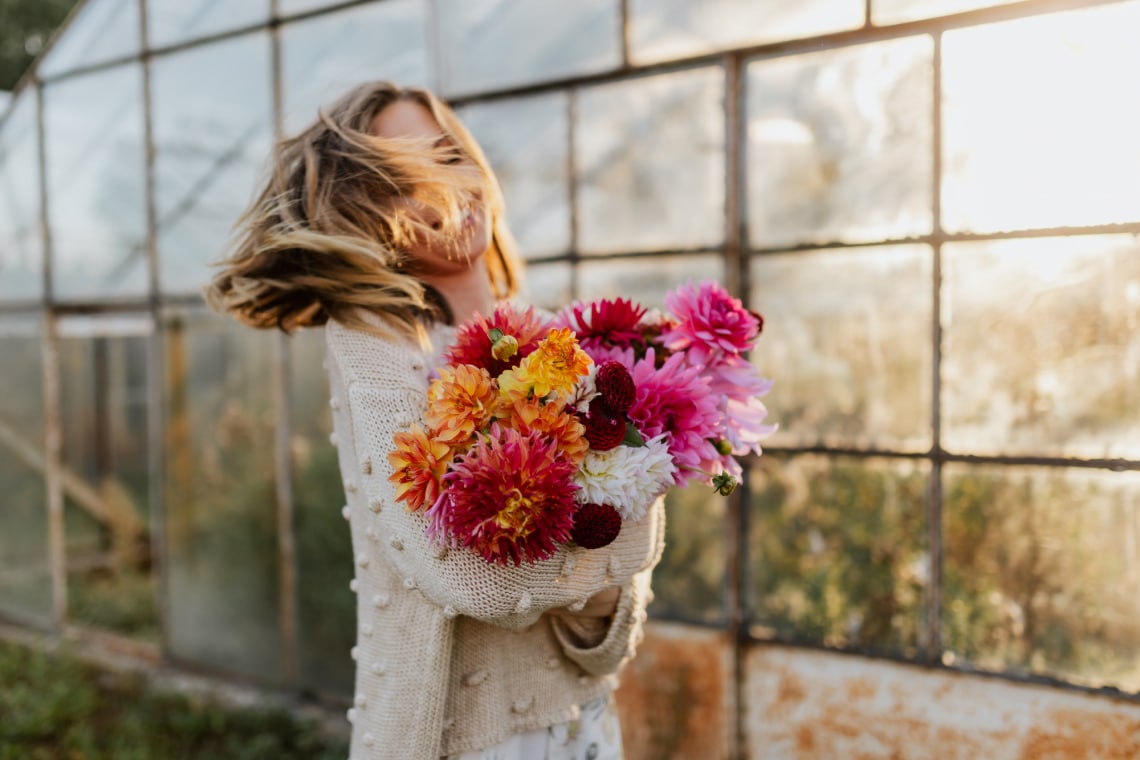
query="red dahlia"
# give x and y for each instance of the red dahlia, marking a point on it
(605, 430)
(595, 526)
(616, 386)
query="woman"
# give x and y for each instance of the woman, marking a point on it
(384, 222)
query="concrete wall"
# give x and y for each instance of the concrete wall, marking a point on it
(676, 702)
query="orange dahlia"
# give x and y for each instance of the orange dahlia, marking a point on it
(554, 366)
(552, 420)
(460, 401)
(418, 465)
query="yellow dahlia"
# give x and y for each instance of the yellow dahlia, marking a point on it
(460, 401)
(555, 366)
(418, 464)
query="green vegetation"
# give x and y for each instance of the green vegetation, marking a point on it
(52, 707)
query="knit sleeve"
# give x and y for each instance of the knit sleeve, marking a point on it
(457, 580)
(601, 650)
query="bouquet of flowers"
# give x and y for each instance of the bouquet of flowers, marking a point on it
(541, 433)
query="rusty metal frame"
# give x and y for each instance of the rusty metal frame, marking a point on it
(282, 452)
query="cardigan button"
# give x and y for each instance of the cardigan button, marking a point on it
(409, 583)
(334, 402)
(450, 611)
(362, 559)
(371, 533)
(378, 668)
(360, 701)
(474, 679)
(354, 585)
(380, 601)
(366, 630)
(349, 486)
(523, 705)
(397, 543)
(351, 714)
(448, 723)
(366, 465)
(333, 439)
(553, 663)
(346, 513)
(579, 605)
(368, 740)
(375, 505)
(354, 652)
(524, 603)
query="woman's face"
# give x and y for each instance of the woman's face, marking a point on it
(436, 254)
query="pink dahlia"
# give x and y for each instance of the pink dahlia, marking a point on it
(739, 386)
(509, 498)
(603, 323)
(710, 323)
(474, 346)
(675, 400)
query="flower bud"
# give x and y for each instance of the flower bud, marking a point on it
(505, 347)
(724, 484)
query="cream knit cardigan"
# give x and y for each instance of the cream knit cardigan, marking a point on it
(453, 653)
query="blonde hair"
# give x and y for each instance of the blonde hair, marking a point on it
(326, 237)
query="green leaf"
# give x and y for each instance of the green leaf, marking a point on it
(633, 437)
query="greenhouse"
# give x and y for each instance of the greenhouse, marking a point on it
(933, 203)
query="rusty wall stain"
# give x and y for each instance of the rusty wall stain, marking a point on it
(810, 705)
(674, 697)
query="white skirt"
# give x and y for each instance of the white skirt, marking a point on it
(596, 735)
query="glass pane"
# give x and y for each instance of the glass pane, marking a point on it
(96, 184)
(645, 280)
(847, 337)
(221, 534)
(495, 44)
(663, 29)
(326, 607)
(838, 551)
(649, 156)
(1064, 151)
(213, 121)
(21, 244)
(527, 141)
(102, 30)
(25, 572)
(378, 41)
(689, 582)
(1042, 572)
(840, 144)
(1042, 345)
(172, 21)
(896, 11)
(103, 372)
(548, 285)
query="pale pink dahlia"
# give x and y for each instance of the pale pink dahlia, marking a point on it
(739, 386)
(473, 345)
(710, 323)
(675, 400)
(509, 498)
